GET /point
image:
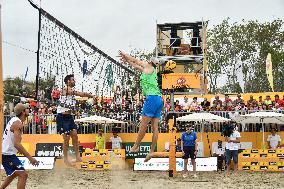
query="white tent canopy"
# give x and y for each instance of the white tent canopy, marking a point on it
(203, 116)
(261, 117)
(98, 119)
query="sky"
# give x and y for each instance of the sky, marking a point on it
(115, 25)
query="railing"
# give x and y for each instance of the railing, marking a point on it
(46, 124)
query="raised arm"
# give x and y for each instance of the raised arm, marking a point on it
(134, 62)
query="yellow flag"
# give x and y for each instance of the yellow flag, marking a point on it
(269, 71)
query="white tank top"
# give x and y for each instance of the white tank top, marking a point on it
(65, 103)
(8, 147)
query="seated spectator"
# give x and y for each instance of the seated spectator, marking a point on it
(217, 103)
(260, 101)
(239, 100)
(177, 106)
(268, 100)
(167, 105)
(167, 146)
(273, 139)
(100, 140)
(251, 102)
(228, 103)
(278, 101)
(193, 106)
(205, 104)
(277, 107)
(219, 152)
(55, 94)
(263, 107)
(116, 142)
(184, 103)
(178, 145)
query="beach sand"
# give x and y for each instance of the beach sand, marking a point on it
(71, 178)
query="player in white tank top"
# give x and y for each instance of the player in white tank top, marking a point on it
(11, 144)
(8, 147)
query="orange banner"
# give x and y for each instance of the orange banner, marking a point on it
(181, 80)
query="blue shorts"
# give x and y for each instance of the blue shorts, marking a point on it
(65, 124)
(231, 154)
(153, 106)
(11, 163)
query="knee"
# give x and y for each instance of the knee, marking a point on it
(23, 174)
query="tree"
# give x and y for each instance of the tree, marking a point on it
(16, 87)
(237, 54)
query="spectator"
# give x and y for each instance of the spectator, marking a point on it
(273, 139)
(220, 154)
(168, 105)
(116, 142)
(217, 103)
(239, 100)
(232, 148)
(100, 140)
(268, 100)
(178, 145)
(177, 106)
(205, 104)
(184, 103)
(260, 101)
(55, 94)
(251, 102)
(193, 106)
(278, 101)
(167, 146)
(228, 103)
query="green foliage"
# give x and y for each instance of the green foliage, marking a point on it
(16, 87)
(237, 52)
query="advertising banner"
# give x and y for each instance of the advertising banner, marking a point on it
(143, 150)
(181, 80)
(162, 164)
(44, 163)
(49, 149)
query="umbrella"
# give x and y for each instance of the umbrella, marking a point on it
(262, 117)
(98, 119)
(202, 117)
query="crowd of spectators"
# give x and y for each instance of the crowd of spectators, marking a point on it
(42, 117)
(227, 104)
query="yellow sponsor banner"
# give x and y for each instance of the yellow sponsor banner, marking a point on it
(261, 160)
(181, 80)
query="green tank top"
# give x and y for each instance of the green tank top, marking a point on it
(149, 84)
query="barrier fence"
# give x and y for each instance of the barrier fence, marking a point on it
(46, 124)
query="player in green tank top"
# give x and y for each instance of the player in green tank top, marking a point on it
(153, 104)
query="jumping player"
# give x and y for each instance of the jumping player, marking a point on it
(153, 104)
(11, 144)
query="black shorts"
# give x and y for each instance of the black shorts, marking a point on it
(65, 124)
(189, 151)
